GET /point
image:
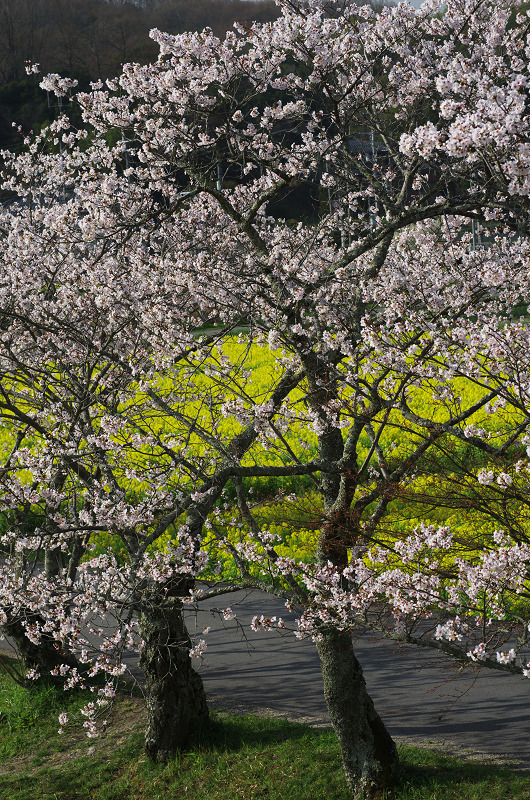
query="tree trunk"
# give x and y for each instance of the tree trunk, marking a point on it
(369, 754)
(175, 697)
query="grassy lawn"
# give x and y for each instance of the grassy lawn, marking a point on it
(240, 757)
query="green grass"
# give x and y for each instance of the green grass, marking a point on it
(29, 716)
(240, 757)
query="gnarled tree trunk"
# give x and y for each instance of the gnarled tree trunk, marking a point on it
(175, 697)
(369, 754)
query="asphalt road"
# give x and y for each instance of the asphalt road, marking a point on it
(420, 694)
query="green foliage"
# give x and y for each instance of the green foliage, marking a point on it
(443, 491)
(102, 543)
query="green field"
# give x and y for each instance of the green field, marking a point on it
(290, 507)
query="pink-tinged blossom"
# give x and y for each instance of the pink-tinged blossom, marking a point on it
(63, 721)
(59, 86)
(506, 657)
(479, 652)
(448, 631)
(266, 623)
(485, 477)
(198, 650)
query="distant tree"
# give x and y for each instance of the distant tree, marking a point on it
(92, 39)
(21, 37)
(98, 37)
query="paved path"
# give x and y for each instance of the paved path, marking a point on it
(420, 695)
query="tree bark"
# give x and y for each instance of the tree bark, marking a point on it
(175, 697)
(369, 755)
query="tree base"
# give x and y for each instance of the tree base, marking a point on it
(369, 755)
(175, 697)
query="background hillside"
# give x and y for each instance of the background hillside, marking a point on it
(91, 39)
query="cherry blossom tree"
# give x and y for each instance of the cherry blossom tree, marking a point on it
(390, 312)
